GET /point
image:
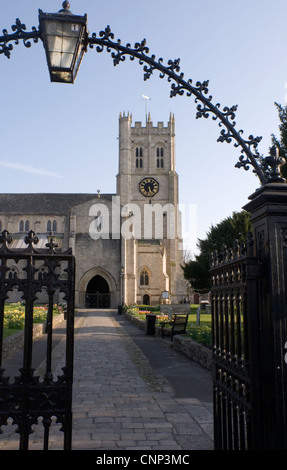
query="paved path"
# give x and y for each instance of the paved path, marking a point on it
(120, 401)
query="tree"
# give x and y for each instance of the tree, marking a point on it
(235, 227)
(281, 143)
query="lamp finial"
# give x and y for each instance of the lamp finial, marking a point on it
(66, 7)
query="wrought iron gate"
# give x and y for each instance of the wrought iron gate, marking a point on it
(28, 398)
(98, 300)
(235, 275)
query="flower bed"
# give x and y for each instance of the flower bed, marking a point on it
(200, 333)
(14, 316)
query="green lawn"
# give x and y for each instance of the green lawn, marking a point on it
(10, 331)
(201, 333)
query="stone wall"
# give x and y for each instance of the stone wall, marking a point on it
(175, 308)
(182, 343)
(15, 342)
(197, 352)
(95, 256)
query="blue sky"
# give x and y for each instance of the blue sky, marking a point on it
(63, 138)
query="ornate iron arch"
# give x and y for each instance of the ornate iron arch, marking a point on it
(266, 168)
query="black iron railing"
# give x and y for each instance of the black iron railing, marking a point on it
(26, 398)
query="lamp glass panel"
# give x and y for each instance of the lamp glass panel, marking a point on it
(69, 45)
(54, 27)
(66, 60)
(54, 43)
(62, 40)
(55, 58)
(71, 29)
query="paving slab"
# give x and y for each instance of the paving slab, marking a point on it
(126, 397)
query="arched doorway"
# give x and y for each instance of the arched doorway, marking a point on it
(98, 293)
(146, 299)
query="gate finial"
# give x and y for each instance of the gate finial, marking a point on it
(31, 239)
(272, 165)
(5, 239)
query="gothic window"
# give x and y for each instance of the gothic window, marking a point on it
(52, 227)
(42, 273)
(27, 226)
(144, 278)
(139, 157)
(12, 273)
(21, 226)
(0, 225)
(159, 157)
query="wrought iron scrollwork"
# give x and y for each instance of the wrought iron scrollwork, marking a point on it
(19, 34)
(179, 86)
(250, 156)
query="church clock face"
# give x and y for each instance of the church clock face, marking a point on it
(148, 187)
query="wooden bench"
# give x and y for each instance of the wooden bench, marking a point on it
(178, 324)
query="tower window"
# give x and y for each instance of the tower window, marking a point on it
(159, 157)
(139, 157)
(144, 278)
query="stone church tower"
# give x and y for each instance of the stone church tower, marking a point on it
(127, 245)
(147, 184)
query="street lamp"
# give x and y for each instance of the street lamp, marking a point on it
(64, 36)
